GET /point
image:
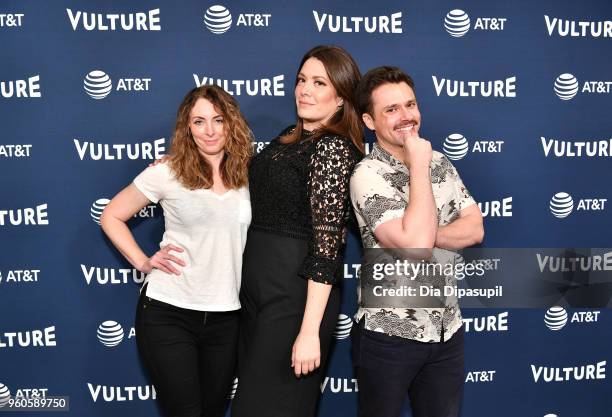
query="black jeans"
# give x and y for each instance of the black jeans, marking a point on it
(190, 356)
(389, 367)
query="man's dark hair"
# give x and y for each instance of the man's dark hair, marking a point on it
(374, 79)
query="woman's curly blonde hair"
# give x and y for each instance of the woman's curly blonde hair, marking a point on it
(188, 165)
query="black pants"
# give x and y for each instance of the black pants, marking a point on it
(190, 356)
(273, 298)
(389, 367)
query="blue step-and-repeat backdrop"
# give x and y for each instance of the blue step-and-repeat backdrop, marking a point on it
(516, 93)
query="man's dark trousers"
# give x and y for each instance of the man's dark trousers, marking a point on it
(389, 367)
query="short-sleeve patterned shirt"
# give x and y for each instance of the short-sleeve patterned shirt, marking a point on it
(379, 193)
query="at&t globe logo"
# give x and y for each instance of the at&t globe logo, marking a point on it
(97, 208)
(343, 327)
(555, 318)
(457, 23)
(233, 389)
(566, 86)
(218, 19)
(97, 84)
(5, 395)
(455, 146)
(561, 205)
(110, 333)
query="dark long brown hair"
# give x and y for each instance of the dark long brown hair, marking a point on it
(344, 75)
(188, 165)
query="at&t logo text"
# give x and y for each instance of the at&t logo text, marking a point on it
(480, 376)
(109, 152)
(496, 208)
(98, 84)
(11, 20)
(259, 87)
(112, 276)
(454, 88)
(29, 338)
(29, 88)
(350, 24)
(114, 21)
(562, 204)
(19, 275)
(567, 86)
(31, 393)
(495, 323)
(575, 28)
(486, 264)
(5, 393)
(457, 23)
(456, 146)
(35, 216)
(15, 151)
(218, 19)
(556, 317)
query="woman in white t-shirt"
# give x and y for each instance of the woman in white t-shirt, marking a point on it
(187, 315)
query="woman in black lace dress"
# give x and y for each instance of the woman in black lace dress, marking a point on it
(299, 187)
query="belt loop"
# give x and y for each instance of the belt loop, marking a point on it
(205, 316)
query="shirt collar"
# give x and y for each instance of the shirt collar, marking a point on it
(382, 155)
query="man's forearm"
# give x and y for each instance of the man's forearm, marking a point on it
(420, 219)
(461, 233)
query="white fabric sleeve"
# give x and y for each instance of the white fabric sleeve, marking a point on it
(153, 181)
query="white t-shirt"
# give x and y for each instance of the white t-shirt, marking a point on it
(212, 231)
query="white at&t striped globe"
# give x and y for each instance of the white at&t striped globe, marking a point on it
(555, 318)
(218, 19)
(5, 395)
(97, 84)
(110, 333)
(561, 205)
(343, 327)
(233, 389)
(97, 208)
(457, 23)
(455, 146)
(566, 86)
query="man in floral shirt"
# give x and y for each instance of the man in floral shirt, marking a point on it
(407, 196)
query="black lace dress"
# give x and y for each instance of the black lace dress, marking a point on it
(300, 203)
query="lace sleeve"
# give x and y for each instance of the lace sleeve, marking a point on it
(328, 185)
